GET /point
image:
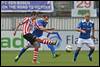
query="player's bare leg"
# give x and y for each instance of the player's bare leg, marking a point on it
(76, 53)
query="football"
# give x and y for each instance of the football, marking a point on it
(68, 48)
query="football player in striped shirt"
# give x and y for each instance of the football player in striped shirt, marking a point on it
(27, 25)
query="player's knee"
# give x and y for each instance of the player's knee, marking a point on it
(26, 47)
(34, 38)
(92, 47)
(78, 48)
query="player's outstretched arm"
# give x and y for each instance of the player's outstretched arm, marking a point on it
(51, 29)
(45, 29)
(16, 28)
(19, 24)
(80, 30)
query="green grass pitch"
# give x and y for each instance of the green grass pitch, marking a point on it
(46, 59)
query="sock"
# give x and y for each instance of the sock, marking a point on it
(44, 41)
(91, 51)
(76, 54)
(52, 49)
(35, 56)
(22, 51)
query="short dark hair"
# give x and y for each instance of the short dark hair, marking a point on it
(45, 16)
(34, 13)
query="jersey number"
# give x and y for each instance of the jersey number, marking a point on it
(82, 4)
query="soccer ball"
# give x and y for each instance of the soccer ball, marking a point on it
(68, 48)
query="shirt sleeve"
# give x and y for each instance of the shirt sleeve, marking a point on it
(39, 22)
(24, 20)
(79, 25)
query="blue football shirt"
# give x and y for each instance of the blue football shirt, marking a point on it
(36, 31)
(87, 26)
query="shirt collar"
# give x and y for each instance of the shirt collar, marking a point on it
(85, 20)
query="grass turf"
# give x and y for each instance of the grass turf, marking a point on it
(46, 59)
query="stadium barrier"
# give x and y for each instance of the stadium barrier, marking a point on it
(9, 42)
(59, 23)
(63, 25)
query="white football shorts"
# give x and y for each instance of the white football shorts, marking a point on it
(89, 42)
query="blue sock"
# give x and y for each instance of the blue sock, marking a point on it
(76, 54)
(91, 51)
(52, 49)
(21, 52)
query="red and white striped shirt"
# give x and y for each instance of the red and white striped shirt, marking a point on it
(27, 24)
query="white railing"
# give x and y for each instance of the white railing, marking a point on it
(59, 23)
